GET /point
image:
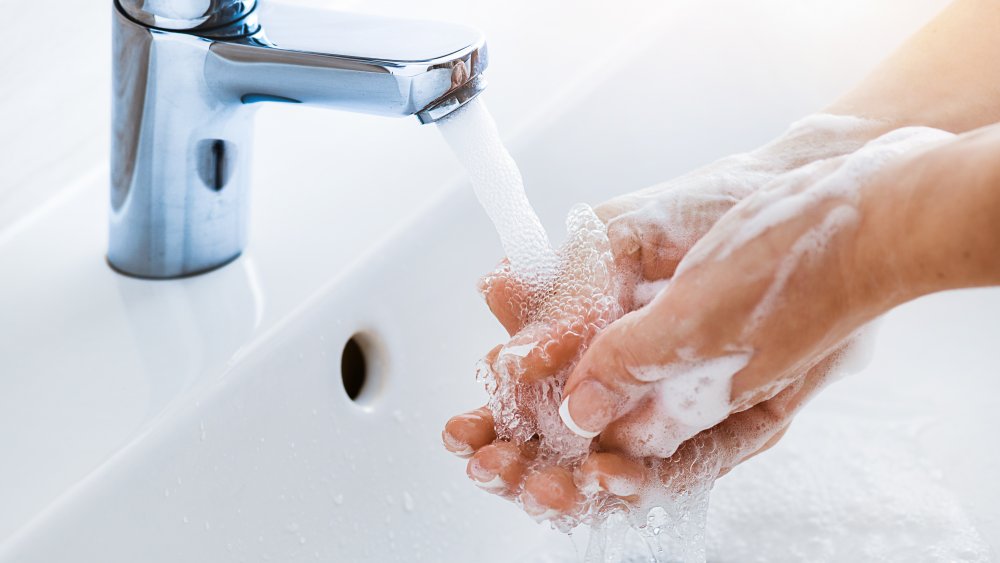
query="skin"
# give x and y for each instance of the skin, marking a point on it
(926, 222)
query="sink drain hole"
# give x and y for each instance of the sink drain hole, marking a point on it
(354, 368)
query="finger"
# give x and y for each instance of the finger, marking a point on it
(541, 350)
(497, 468)
(653, 238)
(506, 297)
(614, 373)
(678, 345)
(774, 439)
(466, 433)
(611, 473)
(550, 493)
(646, 431)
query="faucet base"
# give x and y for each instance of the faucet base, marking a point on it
(165, 278)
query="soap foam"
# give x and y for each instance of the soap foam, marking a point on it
(646, 291)
(784, 199)
(669, 218)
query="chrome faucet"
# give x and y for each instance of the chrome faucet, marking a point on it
(188, 75)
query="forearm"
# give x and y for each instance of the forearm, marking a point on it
(934, 222)
(946, 76)
(955, 216)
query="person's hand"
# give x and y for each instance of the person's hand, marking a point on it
(650, 232)
(753, 311)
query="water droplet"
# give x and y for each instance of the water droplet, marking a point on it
(656, 519)
(201, 425)
(338, 499)
(408, 503)
(302, 540)
(207, 526)
(185, 519)
(166, 492)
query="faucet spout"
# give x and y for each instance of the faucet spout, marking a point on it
(188, 76)
(367, 64)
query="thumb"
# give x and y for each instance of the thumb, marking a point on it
(647, 355)
(604, 384)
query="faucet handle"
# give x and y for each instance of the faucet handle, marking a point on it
(190, 16)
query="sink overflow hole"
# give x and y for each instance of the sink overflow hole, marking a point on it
(353, 368)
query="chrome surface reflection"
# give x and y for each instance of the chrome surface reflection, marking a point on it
(187, 77)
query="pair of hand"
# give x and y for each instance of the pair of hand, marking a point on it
(766, 264)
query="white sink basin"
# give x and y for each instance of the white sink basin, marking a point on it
(205, 419)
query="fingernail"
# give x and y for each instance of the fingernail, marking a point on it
(570, 423)
(519, 350)
(624, 240)
(494, 484)
(483, 477)
(621, 486)
(536, 509)
(454, 445)
(593, 407)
